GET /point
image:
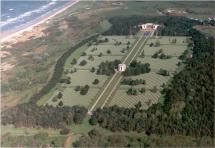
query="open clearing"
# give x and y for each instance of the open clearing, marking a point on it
(152, 79)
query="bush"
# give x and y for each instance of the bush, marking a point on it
(77, 88)
(91, 58)
(60, 95)
(142, 90)
(96, 81)
(83, 54)
(82, 63)
(137, 68)
(108, 52)
(151, 44)
(64, 131)
(60, 103)
(74, 61)
(93, 69)
(163, 72)
(132, 91)
(100, 54)
(84, 90)
(93, 120)
(107, 67)
(154, 89)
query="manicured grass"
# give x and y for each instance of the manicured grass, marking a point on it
(76, 54)
(85, 77)
(123, 100)
(71, 97)
(152, 79)
(156, 64)
(95, 63)
(115, 50)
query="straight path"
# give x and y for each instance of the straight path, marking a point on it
(109, 88)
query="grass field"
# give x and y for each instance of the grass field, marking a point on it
(152, 79)
(13, 136)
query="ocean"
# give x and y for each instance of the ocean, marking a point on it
(17, 14)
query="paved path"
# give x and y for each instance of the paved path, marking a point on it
(111, 86)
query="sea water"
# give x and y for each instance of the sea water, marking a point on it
(18, 14)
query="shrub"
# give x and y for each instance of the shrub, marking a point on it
(83, 54)
(60, 95)
(93, 120)
(93, 69)
(108, 52)
(64, 131)
(74, 61)
(91, 58)
(77, 88)
(100, 54)
(82, 63)
(96, 81)
(60, 103)
(84, 90)
(142, 90)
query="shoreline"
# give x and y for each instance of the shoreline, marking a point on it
(8, 36)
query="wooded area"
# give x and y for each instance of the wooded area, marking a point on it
(188, 108)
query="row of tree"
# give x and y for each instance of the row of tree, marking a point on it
(137, 68)
(129, 81)
(107, 67)
(30, 115)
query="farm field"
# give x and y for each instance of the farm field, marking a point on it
(153, 80)
(81, 75)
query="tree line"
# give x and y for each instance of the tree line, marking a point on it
(30, 115)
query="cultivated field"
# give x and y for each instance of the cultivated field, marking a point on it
(83, 75)
(153, 80)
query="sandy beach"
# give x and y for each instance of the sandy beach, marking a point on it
(10, 37)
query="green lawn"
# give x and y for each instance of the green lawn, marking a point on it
(152, 79)
(26, 131)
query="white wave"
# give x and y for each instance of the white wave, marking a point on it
(27, 14)
(11, 9)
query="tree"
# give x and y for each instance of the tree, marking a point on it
(163, 72)
(93, 120)
(64, 131)
(74, 61)
(77, 88)
(142, 90)
(106, 40)
(82, 63)
(138, 106)
(151, 44)
(84, 90)
(108, 52)
(93, 69)
(154, 89)
(84, 54)
(96, 81)
(100, 54)
(60, 95)
(60, 103)
(91, 58)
